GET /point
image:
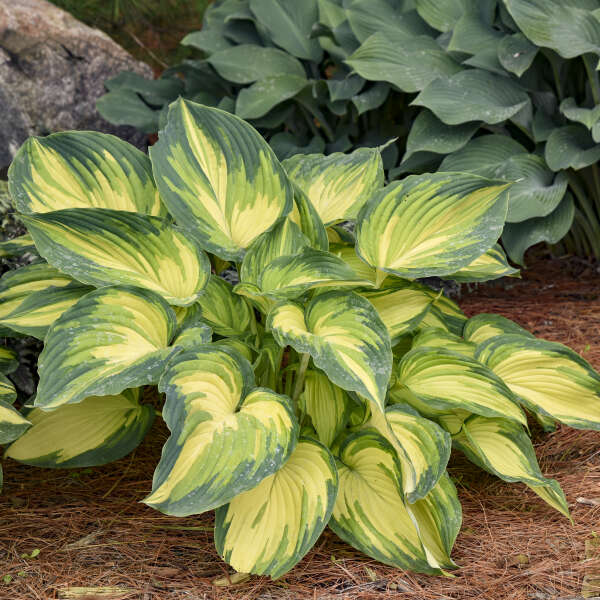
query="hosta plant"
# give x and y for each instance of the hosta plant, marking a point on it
(501, 88)
(326, 387)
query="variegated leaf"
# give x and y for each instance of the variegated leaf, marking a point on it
(227, 313)
(547, 377)
(447, 380)
(193, 336)
(107, 247)
(369, 512)
(82, 169)
(305, 215)
(503, 448)
(219, 178)
(8, 360)
(285, 239)
(34, 296)
(345, 337)
(17, 246)
(339, 184)
(484, 326)
(491, 265)
(8, 393)
(327, 405)
(226, 435)
(432, 224)
(96, 431)
(401, 306)
(349, 256)
(438, 338)
(110, 340)
(453, 317)
(438, 517)
(267, 530)
(12, 423)
(422, 446)
(291, 276)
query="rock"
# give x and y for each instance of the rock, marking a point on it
(52, 71)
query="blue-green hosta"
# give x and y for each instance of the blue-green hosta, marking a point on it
(326, 387)
(502, 88)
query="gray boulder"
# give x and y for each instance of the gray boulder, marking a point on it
(52, 71)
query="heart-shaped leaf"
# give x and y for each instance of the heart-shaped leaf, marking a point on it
(344, 335)
(219, 178)
(226, 435)
(267, 530)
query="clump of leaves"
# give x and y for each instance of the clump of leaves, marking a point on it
(506, 89)
(326, 388)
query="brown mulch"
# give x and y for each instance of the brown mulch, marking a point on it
(92, 531)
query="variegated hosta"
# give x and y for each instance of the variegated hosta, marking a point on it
(325, 386)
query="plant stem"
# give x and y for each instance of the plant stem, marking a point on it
(300, 374)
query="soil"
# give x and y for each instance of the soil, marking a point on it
(91, 531)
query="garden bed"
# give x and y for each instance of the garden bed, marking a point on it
(91, 531)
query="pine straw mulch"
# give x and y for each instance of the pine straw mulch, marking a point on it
(92, 531)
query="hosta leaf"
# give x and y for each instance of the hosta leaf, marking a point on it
(12, 423)
(109, 247)
(8, 393)
(123, 106)
(453, 317)
(367, 17)
(517, 237)
(288, 24)
(586, 116)
(290, 276)
(473, 95)
(193, 336)
(443, 14)
(82, 169)
(516, 53)
(17, 246)
(112, 339)
(226, 435)
(338, 234)
(431, 224)
(429, 134)
(410, 63)
(285, 239)
(424, 448)
(371, 98)
(535, 193)
(503, 448)
(346, 88)
(345, 337)
(438, 517)
(434, 318)
(258, 99)
(349, 256)
(571, 146)
(438, 338)
(369, 512)
(246, 63)
(227, 313)
(34, 296)
(206, 40)
(267, 530)
(447, 380)
(305, 215)
(339, 184)
(219, 178)
(8, 360)
(482, 327)
(547, 376)
(400, 307)
(327, 405)
(566, 26)
(96, 431)
(491, 265)
(472, 36)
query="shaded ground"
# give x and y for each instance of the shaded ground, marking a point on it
(92, 531)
